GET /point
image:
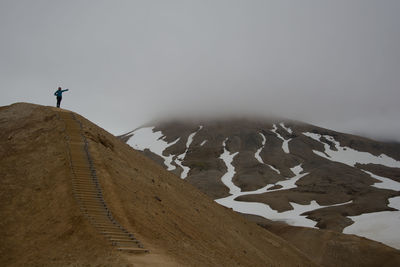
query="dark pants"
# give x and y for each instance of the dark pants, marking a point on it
(58, 101)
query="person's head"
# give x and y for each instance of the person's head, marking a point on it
(59, 88)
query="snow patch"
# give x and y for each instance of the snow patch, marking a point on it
(287, 129)
(385, 183)
(257, 154)
(227, 157)
(274, 169)
(202, 143)
(292, 217)
(379, 226)
(285, 144)
(146, 138)
(348, 155)
(180, 158)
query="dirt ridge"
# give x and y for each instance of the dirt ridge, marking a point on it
(179, 225)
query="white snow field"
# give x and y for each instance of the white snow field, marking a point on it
(180, 158)
(145, 138)
(292, 217)
(285, 144)
(385, 183)
(350, 156)
(381, 226)
(257, 154)
(227, 157)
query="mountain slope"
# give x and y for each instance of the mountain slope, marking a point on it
(329, 248)
(176, 222)
(285, 171)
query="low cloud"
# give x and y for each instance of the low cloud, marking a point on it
(332, 64)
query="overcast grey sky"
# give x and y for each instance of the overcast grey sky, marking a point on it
(332, 63)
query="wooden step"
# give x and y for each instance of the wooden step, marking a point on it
(86, 179)
(116, 234)
(83, 175)
(80, 165)
(85, 170)
(133, 250)
(98, 213)
(132, 242)
(127, 240)
(87, 192)
(96, 209)
(79, 196)
(109, 226)
(92, 202)
(126, 245)
(80, 168)
(100, 210)
(82, 172)
(92, 198)
(95, 204)
(106, 228)
(84, 190)
(100, 219)
(87, 196)
(85, 185)
(84, 182)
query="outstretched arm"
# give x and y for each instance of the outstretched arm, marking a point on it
(65, 90)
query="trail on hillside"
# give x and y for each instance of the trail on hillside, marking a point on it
(87, 189)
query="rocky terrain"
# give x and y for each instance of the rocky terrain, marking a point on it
(284, 170)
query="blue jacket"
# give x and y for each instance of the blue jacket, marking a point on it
(58, 93)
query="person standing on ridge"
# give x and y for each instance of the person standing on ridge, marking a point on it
(58, 93)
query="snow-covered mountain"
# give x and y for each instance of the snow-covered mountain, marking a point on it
(286, 171)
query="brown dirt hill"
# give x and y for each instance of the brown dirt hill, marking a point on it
(42, 224)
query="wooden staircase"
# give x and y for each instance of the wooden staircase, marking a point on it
(87, 189)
